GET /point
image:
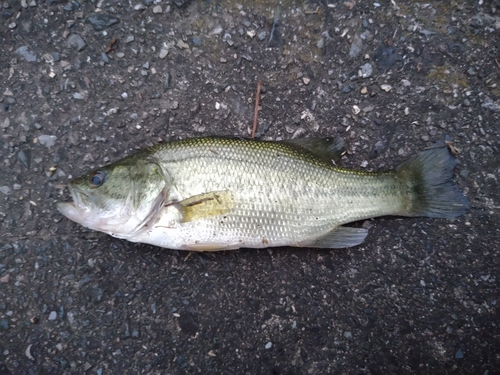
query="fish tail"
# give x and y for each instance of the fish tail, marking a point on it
(431, 190)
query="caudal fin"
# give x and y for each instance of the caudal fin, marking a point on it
(432, 191)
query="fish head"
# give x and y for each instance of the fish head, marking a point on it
(118, 199)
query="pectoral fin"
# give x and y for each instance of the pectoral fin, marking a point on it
(338, 238)
(206, 205)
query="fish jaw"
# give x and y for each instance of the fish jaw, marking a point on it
(75, 210)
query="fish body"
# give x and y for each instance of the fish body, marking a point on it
(209, 194)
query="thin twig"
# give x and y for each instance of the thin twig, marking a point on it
(257, 99)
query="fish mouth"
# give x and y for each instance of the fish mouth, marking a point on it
(74, 210)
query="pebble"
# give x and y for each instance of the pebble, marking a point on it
(262, 35)
(217, 30)
(139, 7)
(25, 52)
(24, 156)
(157, 9)
(76, 42)
(365, 70)
(6, 123)
(53, 315)
(364, 90)
(104, 58)
(459, 354)
(306, 80)
(386, 88)
(12, 25)
(78, 96)
(348, 334)
(7, 92)
(129, 39)
(251, 33)
(196, 41)
(47, 140)
(321, 43)
(355, 109)
(163, 53)
(101, 21)
(6, 190)
(269, 345)
(182, 45)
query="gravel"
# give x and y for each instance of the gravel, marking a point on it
(420, 295)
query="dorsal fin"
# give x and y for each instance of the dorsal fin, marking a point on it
(326, 149)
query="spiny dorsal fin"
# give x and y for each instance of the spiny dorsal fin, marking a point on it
(327, 149)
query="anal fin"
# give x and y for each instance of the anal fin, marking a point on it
(339, 238)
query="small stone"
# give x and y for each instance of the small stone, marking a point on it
(6, 190)
(24, 157)
(163, 53)
(306, 80)
(76, 42)
(157, 9)
(321, 43)
(262, 35)
(12, 25)
(348, 335)
(139, 7)
(120, 55)
(101, 21)
(251, 33)
(217, 30)
(182, 45)
(196, 41)
(47, 140)
(459, 354)
(407, 111)
(104, 57)
(129, 39)
(146, 65)
(365, 70)
(53, 315)
(386, 88)
(364, 90)
(269, 345)
(17, 187)
(7, 92)
(24, 4)
(355, 109)
(25, 52)
(124, 95)
(6, 123)
(78, 96)
(52, 74)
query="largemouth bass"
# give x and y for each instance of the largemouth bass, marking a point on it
(209, 194)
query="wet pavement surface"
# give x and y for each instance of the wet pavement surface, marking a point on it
(84, 83)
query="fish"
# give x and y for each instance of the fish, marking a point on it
(216, 193)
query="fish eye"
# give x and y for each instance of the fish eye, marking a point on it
(97, 178)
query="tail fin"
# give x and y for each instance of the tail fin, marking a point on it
(432, 191)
